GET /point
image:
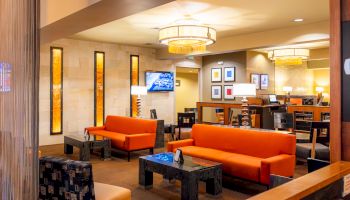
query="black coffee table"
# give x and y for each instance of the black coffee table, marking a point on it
(86, 144)
(189, 173)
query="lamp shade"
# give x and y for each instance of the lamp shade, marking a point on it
(244, 90)
(287, 89)
(138, 90)
(319, 89)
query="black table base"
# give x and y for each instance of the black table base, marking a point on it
(86, 147)
(189, 179)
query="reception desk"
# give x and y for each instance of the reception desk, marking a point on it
(264, 112)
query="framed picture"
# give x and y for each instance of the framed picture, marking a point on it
(216, 92)
(228, 92)
(216, 75)
(264, 81)
(229, 74)
(178, 83)
(255, 78)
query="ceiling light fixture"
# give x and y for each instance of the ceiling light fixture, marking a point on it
(187, 36)
(289, 56)
(298, 20)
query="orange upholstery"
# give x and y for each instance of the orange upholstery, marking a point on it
(127, 133)
(244, 153)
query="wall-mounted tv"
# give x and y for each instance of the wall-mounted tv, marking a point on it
(5, 77)
(159, 81)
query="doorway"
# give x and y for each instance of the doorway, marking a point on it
(187, 88)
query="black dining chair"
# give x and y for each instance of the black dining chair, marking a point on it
(304, 150)
(185, 120)
(168, 128)
(283, 120)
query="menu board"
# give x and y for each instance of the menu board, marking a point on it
(5, 77)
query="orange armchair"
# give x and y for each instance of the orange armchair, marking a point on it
(127, 134)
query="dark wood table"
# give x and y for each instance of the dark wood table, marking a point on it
(189, 173)
(86, 144)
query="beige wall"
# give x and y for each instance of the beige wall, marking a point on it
(187, 94)
(259, 63)
(304, 79)
(78, 84)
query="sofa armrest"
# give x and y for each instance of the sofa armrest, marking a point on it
(111, 192)
(140, 141)
(171, 146)
(87, 130)
(282, 165)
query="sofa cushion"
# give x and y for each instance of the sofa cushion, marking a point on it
(117, 139)
(262, 144)
(244, 166)
(207, 153)
(129, 125)
(234, 164)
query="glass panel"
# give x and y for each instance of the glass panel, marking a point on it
(56, 90)
(99, 88)
(134, 70)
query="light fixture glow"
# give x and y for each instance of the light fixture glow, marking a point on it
(289, 56)
(187, 36)
(298, 20)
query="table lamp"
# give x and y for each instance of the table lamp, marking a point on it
(319, 91)
(244, 90)
(138, 90)
(288, 90)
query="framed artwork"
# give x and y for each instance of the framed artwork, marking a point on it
(264, 81)
(216, 92)
(178, 83)
(230, 74)
(255, 78)
(216, 75)
(228, 92)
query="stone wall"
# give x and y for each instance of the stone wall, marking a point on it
(78, 85)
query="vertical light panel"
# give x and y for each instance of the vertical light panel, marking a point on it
(56, 91)
(134, 80)
(99, 88)
(19, 80)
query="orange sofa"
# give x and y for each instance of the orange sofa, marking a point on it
(245, 153)
(127, 134)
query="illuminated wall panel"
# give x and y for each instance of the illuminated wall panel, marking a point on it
(134, 80)
(99, 88)
(56, 90)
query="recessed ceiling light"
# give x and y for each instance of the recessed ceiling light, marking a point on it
(298, 20)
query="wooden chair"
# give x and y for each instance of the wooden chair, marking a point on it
(318, 145)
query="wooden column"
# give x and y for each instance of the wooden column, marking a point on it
(345, 54)
(340, 82)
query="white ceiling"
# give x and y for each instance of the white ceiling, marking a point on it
(229, 17)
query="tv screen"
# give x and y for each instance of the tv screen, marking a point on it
(159, 81)
(5, 77)
(273, 98)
